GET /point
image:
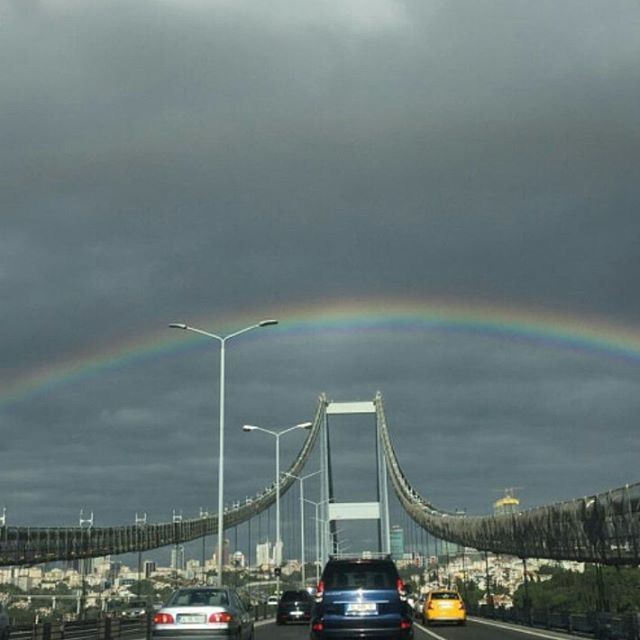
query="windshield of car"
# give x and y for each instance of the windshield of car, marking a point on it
(137, 604)
(199, 598)
(445, 595)
(360, 576)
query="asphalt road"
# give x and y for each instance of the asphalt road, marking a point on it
(474, 630)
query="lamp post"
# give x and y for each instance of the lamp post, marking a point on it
(302, 554)
(317, 521)
(276, 435)
(222, 340)
(141, 522)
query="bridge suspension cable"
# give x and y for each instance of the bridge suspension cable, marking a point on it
(602, 528)
(34, 545)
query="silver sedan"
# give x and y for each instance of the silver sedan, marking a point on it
(195, 613)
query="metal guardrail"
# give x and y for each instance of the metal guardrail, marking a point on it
(100, 629)
(106, 628)
(600, 625)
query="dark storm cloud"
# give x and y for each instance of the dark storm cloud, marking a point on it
(162, 160)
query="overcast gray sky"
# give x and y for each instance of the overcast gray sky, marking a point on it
(224, 161)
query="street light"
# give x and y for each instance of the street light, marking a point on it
(302, 554)
(317, 520)
(276, 435)
(222, 340)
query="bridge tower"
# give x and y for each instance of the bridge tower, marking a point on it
(334, 511)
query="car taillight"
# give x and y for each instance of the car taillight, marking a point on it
(461, 605)
(317, 626)
(320, 591)
(163, 618)
(401, 591)
(430, 605)
(223, 616)
(405, 624)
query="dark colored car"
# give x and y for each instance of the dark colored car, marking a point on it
(204, 612)
(136, 609)
(294, 606)
(361, 598)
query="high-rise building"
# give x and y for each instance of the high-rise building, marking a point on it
(277, 554)
(149, 568)
(397, 542)
(263, 554)
(177, 558)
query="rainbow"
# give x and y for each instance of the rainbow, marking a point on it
(589, 335)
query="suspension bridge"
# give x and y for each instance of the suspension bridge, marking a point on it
(603, 528)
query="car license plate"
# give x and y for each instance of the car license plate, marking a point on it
(296, 613)
(362, 608)
(191, 618)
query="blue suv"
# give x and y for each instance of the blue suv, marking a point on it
(361, 598)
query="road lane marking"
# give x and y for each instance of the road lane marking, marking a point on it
(529, 632)
(260, 623)
(429, 632)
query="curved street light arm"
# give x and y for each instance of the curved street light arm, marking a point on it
(309, 475)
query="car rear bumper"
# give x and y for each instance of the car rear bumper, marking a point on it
(451, 618)
(384, 633)
(192, 634)
(288, 617)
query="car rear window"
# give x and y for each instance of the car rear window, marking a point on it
(293, 596)
(199, 598)
(360, 576)
(445, 595)
(137, 604)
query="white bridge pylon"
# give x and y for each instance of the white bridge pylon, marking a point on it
(339, 511)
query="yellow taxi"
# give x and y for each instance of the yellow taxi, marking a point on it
(444, 605)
